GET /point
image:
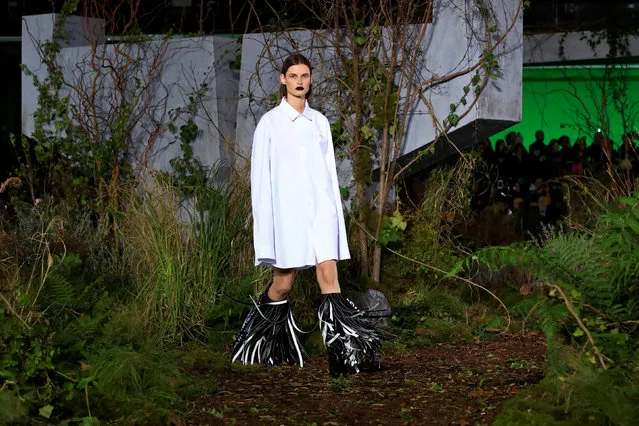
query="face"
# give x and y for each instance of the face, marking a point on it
(297, 80)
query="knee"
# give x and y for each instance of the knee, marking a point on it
(282, 284)
(280, 290)
(327, 279)
(326, 276)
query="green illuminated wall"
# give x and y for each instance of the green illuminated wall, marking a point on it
(568, 101)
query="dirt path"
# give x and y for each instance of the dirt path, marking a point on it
(447, 384)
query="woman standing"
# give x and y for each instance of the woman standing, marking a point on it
(298, 222)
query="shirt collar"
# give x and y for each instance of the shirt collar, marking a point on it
(292, 113)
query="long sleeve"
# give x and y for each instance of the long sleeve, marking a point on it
(261, 195)
(344, 252)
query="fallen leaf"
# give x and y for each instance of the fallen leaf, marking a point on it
(463, 422)
(493, 330)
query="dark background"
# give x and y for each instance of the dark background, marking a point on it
(237, 17)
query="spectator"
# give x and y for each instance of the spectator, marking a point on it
(554, 160)
(519, 160)
(501, 159)
(580, 157)
(567, 151)
(538, 148)
(596, 156)
(487, 152)
(510, 141)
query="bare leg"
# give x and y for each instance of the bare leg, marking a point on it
(282, 283)
(327, 276)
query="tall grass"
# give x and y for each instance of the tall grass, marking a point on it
(34, 243)
(184, 249)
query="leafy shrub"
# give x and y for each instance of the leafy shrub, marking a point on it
(587, 296)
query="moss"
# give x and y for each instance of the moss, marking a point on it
(199, 356)
(437, 330)
(440, 304)
(12, 409)
(586, 395)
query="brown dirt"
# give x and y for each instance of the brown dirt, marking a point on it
(446, 384)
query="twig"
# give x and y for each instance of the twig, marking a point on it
(434, 268)
(15, 314)
(571, 309)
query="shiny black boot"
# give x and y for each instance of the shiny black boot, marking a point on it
(269, 335)
(352, 340)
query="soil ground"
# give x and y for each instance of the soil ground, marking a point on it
(446, 384)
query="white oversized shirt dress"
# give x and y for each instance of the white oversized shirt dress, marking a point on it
(298, 219)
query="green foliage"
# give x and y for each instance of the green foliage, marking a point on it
(588, 297)
(125, 376)
(182, 255)
(429, 235)
(598, 270)
(431, 317)
(70, 337)
(546, 314)
(392, 227)
(82, 148)
(188, 171)
(575, 395)
(12, 408)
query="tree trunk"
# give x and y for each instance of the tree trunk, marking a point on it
(363, 238)
(377, 262)
(359, 175)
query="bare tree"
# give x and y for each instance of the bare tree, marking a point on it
(375, 75)
(104, 109)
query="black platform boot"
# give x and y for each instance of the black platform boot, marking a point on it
(352, 340)
(269, 335)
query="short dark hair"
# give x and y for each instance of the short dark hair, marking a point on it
(295, 59)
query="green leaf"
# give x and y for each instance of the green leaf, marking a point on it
(85, 382)
(46, 411)
(24, 300)
(578, 332)
(343, 191)
(397, 221)
(367, 133)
